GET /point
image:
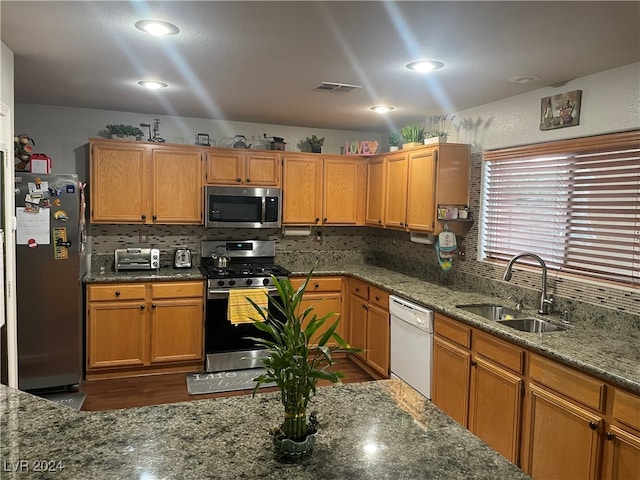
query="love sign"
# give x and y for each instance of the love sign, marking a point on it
(364, 147)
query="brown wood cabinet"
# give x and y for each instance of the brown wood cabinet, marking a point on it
(139, 183)
(478, 381)
(230, 167)
(407, 186)
(369, 326)
(324, 294)
(137, 328)
(323, 190)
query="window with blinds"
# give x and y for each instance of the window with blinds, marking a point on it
(575, 203)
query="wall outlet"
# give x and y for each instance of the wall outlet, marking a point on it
(144, 236)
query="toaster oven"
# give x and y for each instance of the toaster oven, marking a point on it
(135, 258)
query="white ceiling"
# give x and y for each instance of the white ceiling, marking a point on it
(257, 61)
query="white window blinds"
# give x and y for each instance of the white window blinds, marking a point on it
(576, 203)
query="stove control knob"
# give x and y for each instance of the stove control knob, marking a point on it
(220, 283)
(249, 281)
(265, 281)
(232, 282)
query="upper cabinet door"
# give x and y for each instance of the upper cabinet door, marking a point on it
(225, 167)
(177, 186)
(396, 188)
(119, 180)
(344, 191)
(421, 191)
(301, 190)
(376, 184)
(262, 169)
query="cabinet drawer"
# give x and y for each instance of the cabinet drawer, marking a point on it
(115, 291)
(573, 384)
(379, 297)
(320, 284)
(500, 352)
(626, 408)
(452, 330)
(177, 290)
(359, 288)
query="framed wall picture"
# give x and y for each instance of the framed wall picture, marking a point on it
(203, 139)
(559, 111)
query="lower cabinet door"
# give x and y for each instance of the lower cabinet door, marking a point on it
(323, 304)
(116, 334)
(622, 455)
(358, 325)
(177, 330)
(451, 380)
(378, 340)
(496, 408)
(563, 439)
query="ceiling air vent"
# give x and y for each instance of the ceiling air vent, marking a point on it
(332, 87)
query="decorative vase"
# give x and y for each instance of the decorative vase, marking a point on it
(316, 149)
(433, 140)
(291, 448)
(394, 148)
(405, 146)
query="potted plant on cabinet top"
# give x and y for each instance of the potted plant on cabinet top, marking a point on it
(128, 132)
(412, 135)
(437, 128)
(298, 356)
(316, 144)
(394, 141)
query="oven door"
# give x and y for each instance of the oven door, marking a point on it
(226, 345)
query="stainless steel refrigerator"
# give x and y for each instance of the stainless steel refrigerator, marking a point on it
(49, 270)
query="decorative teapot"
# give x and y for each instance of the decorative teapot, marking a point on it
(240, 141)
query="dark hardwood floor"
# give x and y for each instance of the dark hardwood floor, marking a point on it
(171, 388)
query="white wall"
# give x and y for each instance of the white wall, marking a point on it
(63, 132)
(610, 103)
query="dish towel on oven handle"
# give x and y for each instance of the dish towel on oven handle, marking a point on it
(240, 309)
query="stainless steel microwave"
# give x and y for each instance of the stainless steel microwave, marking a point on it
(240, 207)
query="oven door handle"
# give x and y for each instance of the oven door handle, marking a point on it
(213, 294)
(263, 214)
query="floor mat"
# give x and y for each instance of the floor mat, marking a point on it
(215, 382)
(69, 399)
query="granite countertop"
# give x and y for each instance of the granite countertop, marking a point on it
(608, 353)
(364, 434)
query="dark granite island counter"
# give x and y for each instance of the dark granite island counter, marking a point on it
(364, 434)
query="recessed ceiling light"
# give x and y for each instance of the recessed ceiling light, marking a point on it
(151, 85)
(524, 78)
(381, 108)
(425, 65)
(157, 27)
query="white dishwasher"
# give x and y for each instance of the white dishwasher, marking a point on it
(411, 343)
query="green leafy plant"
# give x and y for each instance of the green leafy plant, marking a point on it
(122, 130)
(315, 143)
(414, 132)
(298, 354)
(438, 125)
(394, 139)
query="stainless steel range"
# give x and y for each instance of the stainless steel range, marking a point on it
(228, 265)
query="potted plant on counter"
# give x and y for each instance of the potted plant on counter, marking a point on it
(412, 135)
(298, 356)
(437, 128)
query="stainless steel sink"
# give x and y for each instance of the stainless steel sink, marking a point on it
(534, 325)
(491, 311)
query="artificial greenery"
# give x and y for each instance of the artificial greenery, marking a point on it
(298, 354)
(438, 125)
(414, 132)
(394, 139)
(315, 143)
(124, 130)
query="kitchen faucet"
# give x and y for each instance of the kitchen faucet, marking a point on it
(544, 301)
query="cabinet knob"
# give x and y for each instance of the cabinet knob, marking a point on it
(317, 219)
(155, 217)
(474, 364)
(379, 221)
(317, 285)
(365, 307)
(117, 293)
(248, 180)
(153, 305)
(377, 298)
(593, 425)
(144, 217)
(324, 219)
(610, 436)
(141, 307)
(357, 289)
(238, 179)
